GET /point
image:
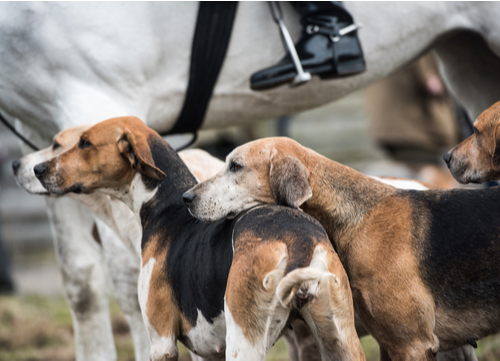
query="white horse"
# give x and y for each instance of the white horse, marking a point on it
(64, 64)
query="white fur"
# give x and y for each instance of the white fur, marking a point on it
(238, 347)
(318, 280)
(133, 195)
(274, 314)
(68, 64)
(402, 183)
(208, 339)
(74, 57)
(120, 235)
(25, 175)
(160, 345)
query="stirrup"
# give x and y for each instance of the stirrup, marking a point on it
(301, 77)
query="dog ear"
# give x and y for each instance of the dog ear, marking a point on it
(495, 160)
(288, 178)
(136, 148)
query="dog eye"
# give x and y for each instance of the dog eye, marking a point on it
(234, 167)
(55, 146)
(84, 143)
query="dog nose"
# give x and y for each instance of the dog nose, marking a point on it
(188, 198)
(447, 158)
(15, 165)
(39, 169)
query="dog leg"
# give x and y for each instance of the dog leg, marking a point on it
(464, 353)
(325, 303)
(334, 332)
(384, 356)
(291, 345)
(300, 343)
(196, 357)
(85, 278)
(415, 351)
(360, 328)
(255, 318)
(238, 346)
(124, 271)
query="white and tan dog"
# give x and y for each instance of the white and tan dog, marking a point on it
(117, 232)
(403, 250)
(283, 264)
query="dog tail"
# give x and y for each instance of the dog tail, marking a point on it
(286, 289)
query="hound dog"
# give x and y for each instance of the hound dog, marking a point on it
(424, 272)
(283, 263)
(120, 241)
(477, 158)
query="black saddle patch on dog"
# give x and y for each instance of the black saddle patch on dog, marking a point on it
(198, 263)
(298, 230)
(199, 254)
(460, 250)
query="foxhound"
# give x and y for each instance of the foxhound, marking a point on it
(283, 264)
(116, 229)
(424, 272)
(477, 158)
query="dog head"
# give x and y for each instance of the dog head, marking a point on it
(259, 172)
(477, 158)
(106, 156)
(23, 168)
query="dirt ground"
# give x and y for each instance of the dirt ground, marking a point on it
(38, 328)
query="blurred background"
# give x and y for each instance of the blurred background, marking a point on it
(398, 127)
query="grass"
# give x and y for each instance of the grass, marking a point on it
(36, 328)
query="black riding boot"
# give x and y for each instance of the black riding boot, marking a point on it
(322, 48)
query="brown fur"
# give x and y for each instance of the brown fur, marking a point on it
(477, 158)
(258, 267)
(288, 181)
(171, 323)
(109, 157)
(252, 261)
(370, 225)
(106, 164)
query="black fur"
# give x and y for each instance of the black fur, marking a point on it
(460, 250)
(279, 223)
(200, 254)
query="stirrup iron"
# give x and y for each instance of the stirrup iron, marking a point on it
(301, 77)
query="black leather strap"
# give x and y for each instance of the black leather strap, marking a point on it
(19, 135)
(210, 42)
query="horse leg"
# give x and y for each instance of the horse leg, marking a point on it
(472, 70)
(84, 277)
(124, 271)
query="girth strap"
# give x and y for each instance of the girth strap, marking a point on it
(210, 42)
